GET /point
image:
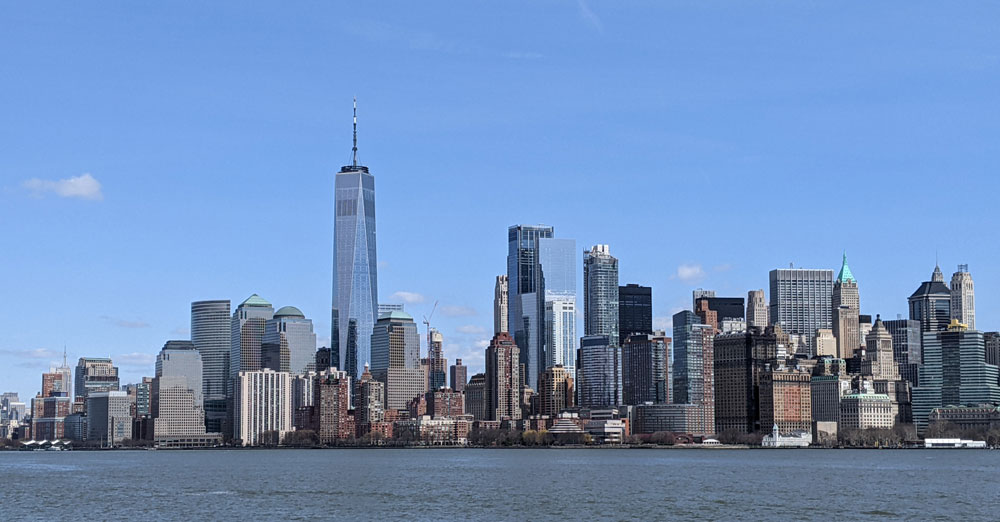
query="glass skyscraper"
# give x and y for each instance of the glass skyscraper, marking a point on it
(600, 293)
(211, 333)
(355, 276)
(526, 303)
(291, 335)
(557, 281)
(599, 372)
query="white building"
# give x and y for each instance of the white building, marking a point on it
(963, 297)
(795, 439)
(865, 410)
(177, 395)
(262, 403)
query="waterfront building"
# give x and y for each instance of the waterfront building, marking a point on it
(445, 403)
(930, 304)
(526, 304)
(355, 276)
(395, 359)
(635, 310)
(95, 374)
(289, 344)
(981, 417)
(826, 391)
(503, 379)
(963, 297)
(954, 373)
(436, 363)
(862, 411)
(262, 404)
(109, 419)
(644, 369)
(555, 391)
(332, 404)
(906, 347)
(475, 397)
(800, 303)
(794, 439)
(211, 333)
(677, 418)
(757, 311)
(178, 395)
(304, 400)
(598, 372)
(600, 293)
(739, 361)
(501, 292)
(786, 399)
(459, 375)
(49, 408)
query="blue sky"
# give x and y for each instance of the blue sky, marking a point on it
(156, 154)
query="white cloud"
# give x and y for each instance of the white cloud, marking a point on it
(134, 359)
(689, 273)
(83, 187)
(407, 297)
(458, 311)
(482, 344)
(471, 329)
(590, 16)
(37, 353)
(125, 323)
(663, 323)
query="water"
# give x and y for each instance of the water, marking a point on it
(453, 484)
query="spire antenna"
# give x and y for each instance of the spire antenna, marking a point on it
(354, 150)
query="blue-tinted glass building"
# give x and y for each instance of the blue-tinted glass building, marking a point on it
(526, 303)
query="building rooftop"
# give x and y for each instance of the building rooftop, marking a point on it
(931, 288)
(845, 272)
(398, 315)
(289, 311)
(255, 300)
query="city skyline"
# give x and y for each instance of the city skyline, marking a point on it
(100, 239)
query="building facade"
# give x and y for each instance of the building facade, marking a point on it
(635, 310)
(757, 310)
(95, 374)
(598, 372)
(395, 359)
(177, 401)
(963, 297)
(800, 303)
(501, 293)
(262, 406)
(644, 369)
(555, 391)
(930, 304)
(289, 342)
(526, 305)
(211, 333)
(600, 293)
(459, 375)
(109, 419)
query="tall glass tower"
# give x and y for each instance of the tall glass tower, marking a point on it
(526, 303)
(211, 333)
(355, 273)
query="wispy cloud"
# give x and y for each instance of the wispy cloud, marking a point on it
(590, 16)
(407, 297)
(83, 187)
(134, 359)
(37, 354)
(458, 311)
(125, 323)
(181, 331)
(689, 273)
(471, 329)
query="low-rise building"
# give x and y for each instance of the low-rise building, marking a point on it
(862, 411)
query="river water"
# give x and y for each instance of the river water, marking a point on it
(501, 484)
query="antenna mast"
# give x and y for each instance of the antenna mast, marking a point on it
(354, 150)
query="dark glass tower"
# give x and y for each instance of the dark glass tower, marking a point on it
(526, 312)
(931, 303)
(635, 310)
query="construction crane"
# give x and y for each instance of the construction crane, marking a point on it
(427, 323)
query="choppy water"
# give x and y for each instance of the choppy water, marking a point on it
(452, 484)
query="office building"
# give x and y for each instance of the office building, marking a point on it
(740, 360)
(800, 303)
(289, 343)
(109, 420)
(247, 335)
(600, 293)
(826, 343)
(459, 375)
(846, 309)
(560, 334)
(395, 359)
(930, 304)
(49, 408)
(503, 379)
(262, 405)
(500, 308)
(906, 347)
(598, 372)
(635, 310)
(475, 397)
(963, 297)
(177, 401)
(699, 293)
(555, 391)
(786, 399)
(757, 312)
(211, 333)
(355, 276)
(557, 287)
(644, 369)
(866, 410)
(706, 315)
(95, 374)
(526, 304)
(879, 361)
(954, 373)
(724, 307)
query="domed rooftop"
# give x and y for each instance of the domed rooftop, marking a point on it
(289, 311)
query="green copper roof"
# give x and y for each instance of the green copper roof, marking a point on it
(396, 314)
(845, 272)
(255, 300)
(289, 311)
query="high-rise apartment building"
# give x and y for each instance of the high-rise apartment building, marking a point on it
(635, 310)
(289, 342)
(501, 293)
(963, 297)
(211, 333)
(355, 260)
(560, 334)
(846, 307)
(644, 369)
(503, 379)
(800, 303)
(757, 312)
(177, 401)
(395, 359)
(475, 397)
(262, 404)
(786, 399)
(555, 391)
(526, 304)
(332, 402)
(598, 372)
(436, 363)
(459, 375)
(600, 293)
(95, 374)
(694, 368)
(931, 303)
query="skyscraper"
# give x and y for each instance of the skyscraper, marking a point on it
(555, 391)
(931, 303)
(963, 297)
(247, 335)
(355, 276)
(600, 293)
(459, 375)
(435, 360)
(109, 420)
(560, 334)
(800, 302)
(599, 372)
(635, 310)
(211, 333)
(846, 307)
(757, 309)
(395, 358)
(694, 368)
(500, 307)
(262, 403)
(503, 379)
(289, 335)
(95, 374)
(644, 369)
(557, 284)
(906, 347)
(740, 360)
(177, 395)
(526, 310)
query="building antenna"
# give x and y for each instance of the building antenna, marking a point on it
(64, 356)
(354, 150)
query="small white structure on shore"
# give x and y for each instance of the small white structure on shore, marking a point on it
(954, 443)
(795, 439)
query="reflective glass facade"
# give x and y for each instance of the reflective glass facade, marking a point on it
(600, 293)
(526, 305)
(557, 283)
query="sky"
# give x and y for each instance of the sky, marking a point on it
(156, 154)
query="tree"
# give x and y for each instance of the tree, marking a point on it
(301, 439)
